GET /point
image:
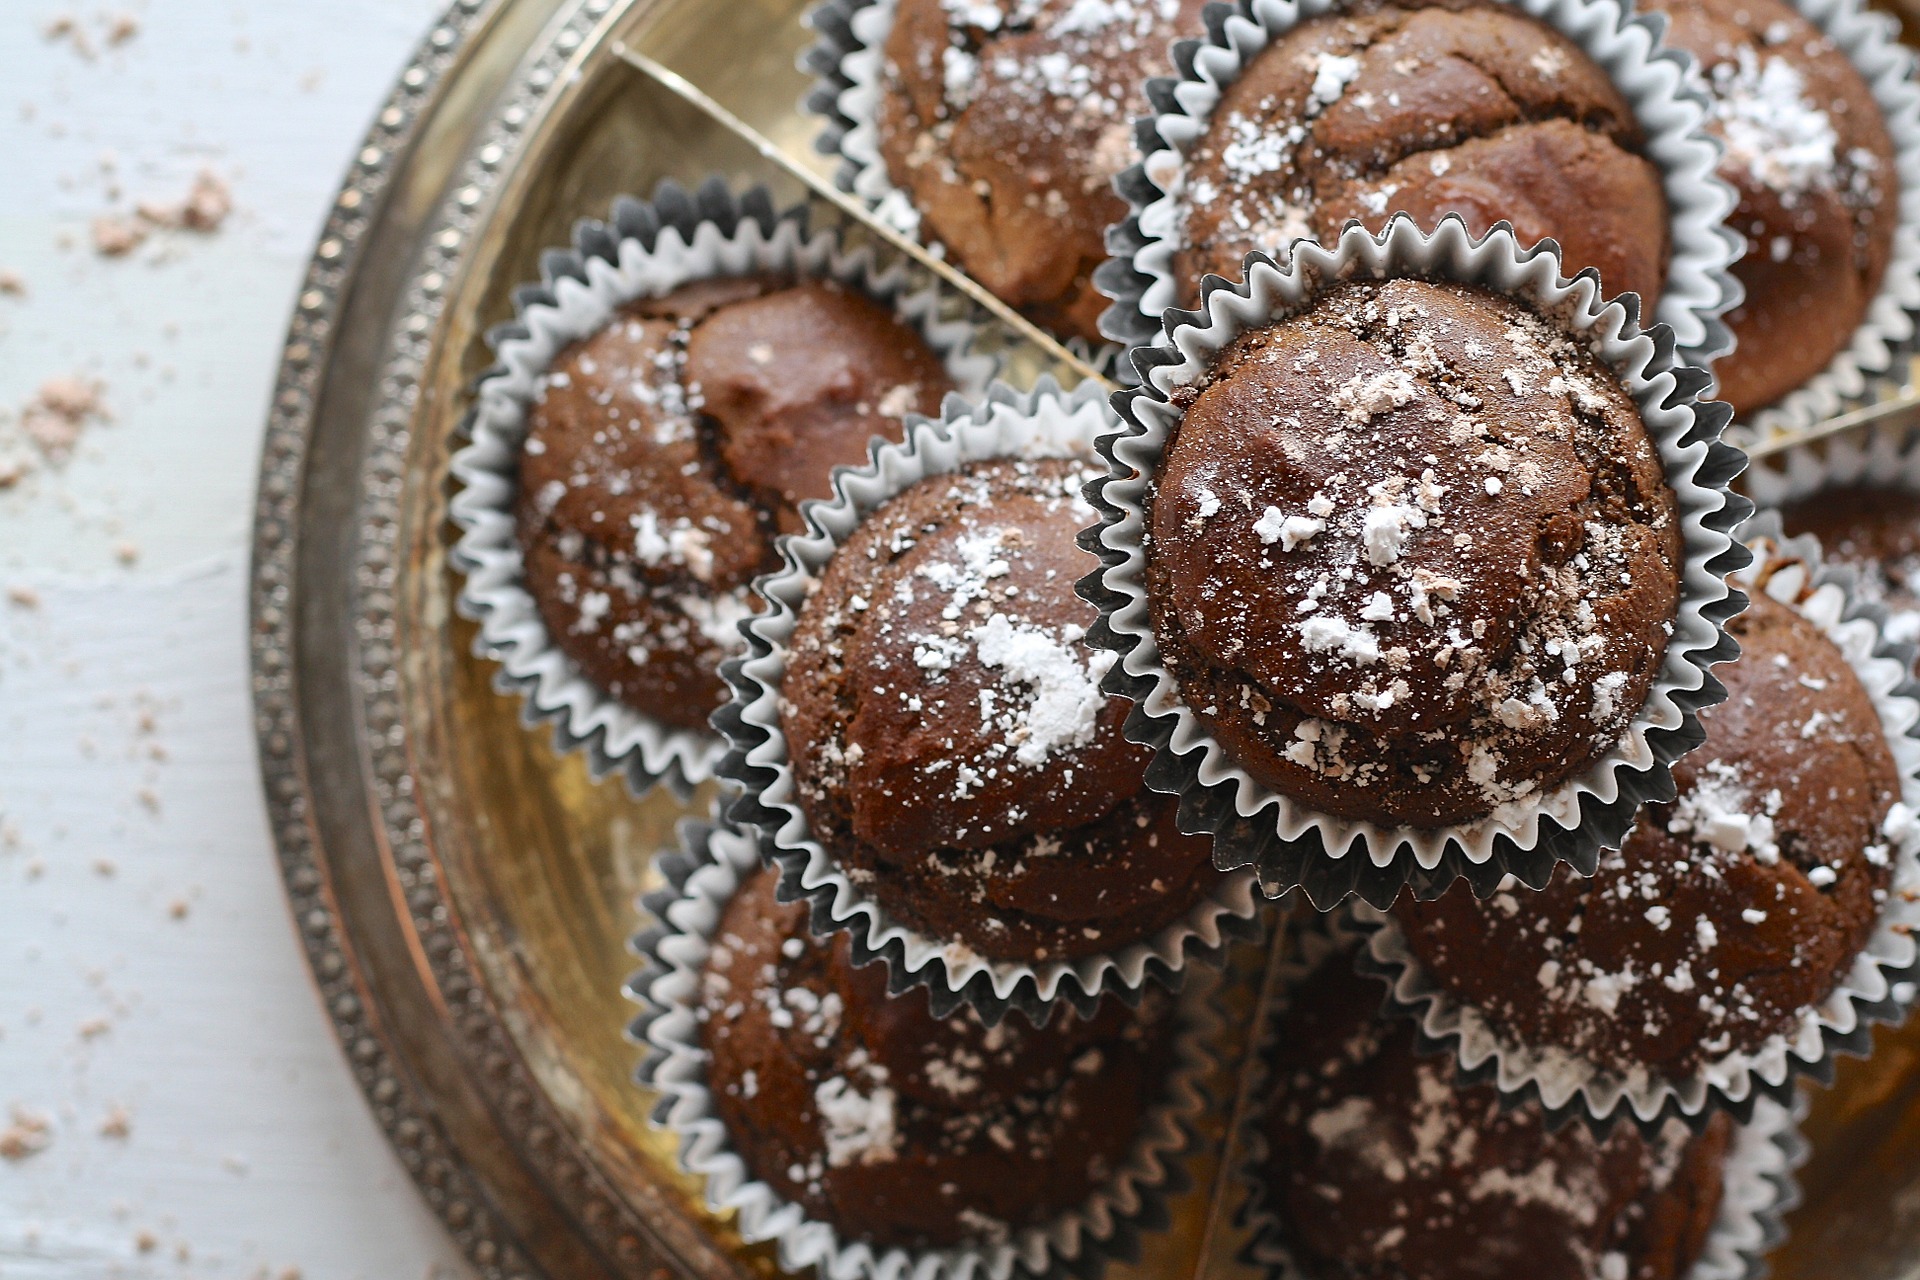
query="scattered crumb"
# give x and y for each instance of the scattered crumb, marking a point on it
(54, 418)
(115, 234)
(126, 552)
(93, 1028)
(66, 27)
(235, 1165)
(117, 1124)
(28, 1134)
(149, 799)
(146, 1242)
(178, 908)
(120, 27)
(11, 285)
(312, 80)
(206, 206)
(24, 597)
(104, 868)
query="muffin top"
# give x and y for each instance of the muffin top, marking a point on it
(1876, 530)
(1413, 556)
(950, 743)
(1808, 152)
(899, 1128)
(1006, 121)
(1728, 912)
(1460, 107)
(1380, 1168)
(666, 451)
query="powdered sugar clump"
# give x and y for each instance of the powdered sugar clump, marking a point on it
(858, 1127)
(1065, 690)
(1771, 128)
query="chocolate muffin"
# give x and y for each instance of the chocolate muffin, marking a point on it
(897, 1128)
(1876, 531)
(1808, 152)
(949, 741)
(1466, 107)
(1412, 555)
(1378, 1168)
(1729, 912)
(666, 452)
(1005, 122)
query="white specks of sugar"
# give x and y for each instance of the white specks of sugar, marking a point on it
(1720, 811)
(1288, 531)
(1606, 694)
(718, 617)
(1378, 609)
(1705, 934)
(1066, 699)
(1334, 1125)
(1539, 1185)
(1770, 127)
(1331, 75)
(678, 543)
(1548, 61)
(1367, 394)
(1384, 531)
(858, 1128)
(1325, 633)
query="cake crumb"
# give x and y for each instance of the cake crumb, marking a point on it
(206, 205)
(55, 417)
(28, 1134)
(120, 28)
(177, 909)
(116, 1124)
(65, 27)
(145, 1242)
(126, 552)
(24, 597)
(115, 235)
(11, 285)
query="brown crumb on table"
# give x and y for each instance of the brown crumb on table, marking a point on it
(104, 868)
(67, 27)
(54, 418)
(117, 1124)
(11, 285)
(206, 206)
(119, 28)
(29, 1134)
(24, 597)
(146, 1242)
(177, 909)
(126, 552)
(93, 1028)
(115, 234)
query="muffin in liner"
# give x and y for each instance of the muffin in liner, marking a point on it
(648, 249)
(1330, 857)
(846, 59)
(1042, 423)
(1876, 989)
(1871, 42)
(714, 862)
(1759, 1187)
(1655, 81)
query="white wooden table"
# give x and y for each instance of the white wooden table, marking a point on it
(155, 1014)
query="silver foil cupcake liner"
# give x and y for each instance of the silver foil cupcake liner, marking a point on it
(1877, 989)
(648, 249)
(1670, 108)
(1045, 422)
(1871, 41)
(847, 60)
(1332, 858)
(1758, 1190)
(701, 879)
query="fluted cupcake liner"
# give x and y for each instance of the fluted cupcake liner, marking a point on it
(1758, 1187)
(1331, 858)
(714, 862)
(847, 60)
(1871, 41)
(648, 249)
(1670, 108)
(1876, 989)
(1043, 423)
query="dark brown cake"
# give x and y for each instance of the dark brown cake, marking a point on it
(1379, 1169)
(666, 452)
(1413, 557)
(1461, 107)
(894, 1127)
(1877, 531)
(949, 740)
(1730, 911)
(1809, 155)
(1005, 122)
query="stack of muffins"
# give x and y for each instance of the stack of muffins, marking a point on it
(1406, 561)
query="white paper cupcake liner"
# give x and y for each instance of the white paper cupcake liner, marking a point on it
(648, 249)
(1670, 108)
(1329, 857)
(847, 60)
(701, 880)
(1876, 989)
(1871, 41)
(1044, 422)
